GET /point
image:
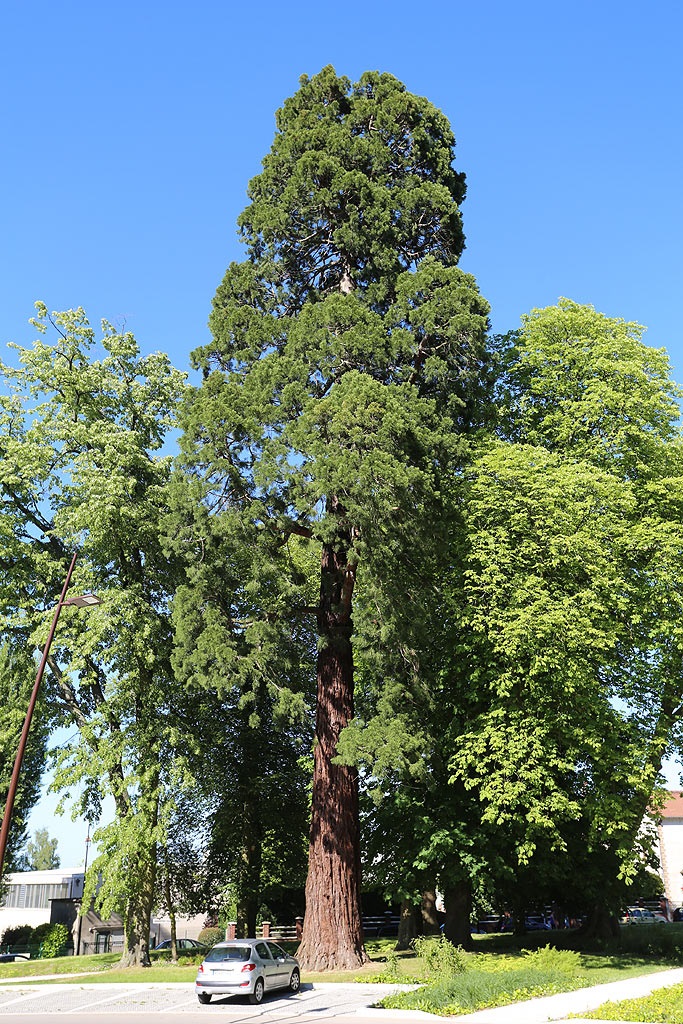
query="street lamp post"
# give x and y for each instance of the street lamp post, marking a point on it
(85, 873)
(81, 602)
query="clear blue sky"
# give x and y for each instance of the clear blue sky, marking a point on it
(130, 130)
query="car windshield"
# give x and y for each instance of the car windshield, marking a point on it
(229, 953)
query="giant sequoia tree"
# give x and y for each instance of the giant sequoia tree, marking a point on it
(336, 394)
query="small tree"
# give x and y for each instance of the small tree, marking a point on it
(41, 852)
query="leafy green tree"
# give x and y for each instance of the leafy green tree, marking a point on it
(336, 391)
(571, 596)
(249, 687)
(258, 826)
(41, 852)
(422, 830)
(81, 425)
(17, 673)
(552, 689)
(181, 879)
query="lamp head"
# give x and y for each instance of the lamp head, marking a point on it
(83, 600)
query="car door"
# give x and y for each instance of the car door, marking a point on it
(268, 965)
(282, 964)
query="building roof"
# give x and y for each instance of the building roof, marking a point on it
(673, 807)
(49, 875)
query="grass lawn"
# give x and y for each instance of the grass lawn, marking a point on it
(662, 1007)
(496, 974)
(97, 963)
(483, 980)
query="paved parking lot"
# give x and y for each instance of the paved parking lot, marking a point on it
(337, 1004)
(61, 1003)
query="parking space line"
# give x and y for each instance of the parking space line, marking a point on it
(179, 1006)
(98, 1002)
(17, 999)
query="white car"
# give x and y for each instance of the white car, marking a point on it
(641, 915)
(249, 967)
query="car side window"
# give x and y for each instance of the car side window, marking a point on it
(277, 951)
(263, 951)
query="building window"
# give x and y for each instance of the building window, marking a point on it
(34, 896)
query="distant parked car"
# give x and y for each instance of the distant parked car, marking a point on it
(247, 967)
(9, 958)
(641, 915)
(183, 945)
(537, 923)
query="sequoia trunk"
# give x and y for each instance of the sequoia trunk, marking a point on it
(333, 934)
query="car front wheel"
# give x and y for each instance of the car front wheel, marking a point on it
(295, 981)
(257, 995)
(204, 997)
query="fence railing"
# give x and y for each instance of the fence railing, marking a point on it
(286, 933)
(380, 926)
(19, 952)
(269, 930)
(373, 928)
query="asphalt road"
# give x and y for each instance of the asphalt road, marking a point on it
(134, 1004)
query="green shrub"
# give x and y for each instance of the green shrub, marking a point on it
(392, 970)
(442, 959)
(481, 989)
(18, 936)
(660, 940)
(55, 942)
(40, 932)
(210, 936)
(186, 957)
(46, 940)
(461, 983)
(548, 958)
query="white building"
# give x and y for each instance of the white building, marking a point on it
(670, 851)
(28, 896)
(37, 897)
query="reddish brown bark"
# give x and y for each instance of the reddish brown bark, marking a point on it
(332, 933)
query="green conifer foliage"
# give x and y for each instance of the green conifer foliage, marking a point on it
(336, 393)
